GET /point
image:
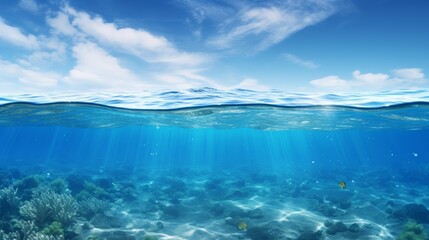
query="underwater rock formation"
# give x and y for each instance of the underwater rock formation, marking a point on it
(417, 212)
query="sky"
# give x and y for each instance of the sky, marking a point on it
(290, 45)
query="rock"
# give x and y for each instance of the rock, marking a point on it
(264, 233)
(103, 221)
(87, 225)
(104, 183)
(417, 212)
(328, 223)
(354, 228)
(344, 205)
(328, 211)
(174, 211)
(336, 228)
(389, 210)
(160, 225)
(73, 232)
(341, 227)
(310, 235)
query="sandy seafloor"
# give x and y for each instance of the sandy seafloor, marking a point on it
(205, 205)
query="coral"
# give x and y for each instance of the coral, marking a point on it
(9, 195)
(92, 206)
(59, 185)
(76, 183)
(37, 209)
(55, 229)
(9, 236)
(27, 228)
(50, 206)
(28, 182)
(64, 208)
(412, 231)
(92, 190)
(41, 236)
(28, 231)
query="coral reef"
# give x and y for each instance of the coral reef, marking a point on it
(45, 206)
(10, 196)
(412, 231)
(28, 231)
(29, 182)
(58, 185)
(55, 229)
(92, 206)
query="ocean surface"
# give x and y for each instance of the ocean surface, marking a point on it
(215, 164)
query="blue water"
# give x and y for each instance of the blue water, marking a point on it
(378, 143)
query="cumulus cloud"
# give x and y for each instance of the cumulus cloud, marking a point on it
(29, 5)
(93, 45)
(52, 52)
(13, 75)
(301, 62)
(138, 42)
(260, 27)
(252, 84)
(332, 82)
(61, 24)
(14, 36)
(409, 73)
(95, 68)
(403, 78)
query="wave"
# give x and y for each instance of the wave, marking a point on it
(411, 116)
(174, 99)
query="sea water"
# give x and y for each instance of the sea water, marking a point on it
(212, 164)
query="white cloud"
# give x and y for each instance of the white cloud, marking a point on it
(371, 79)
(96, 69)
(14, 76)
(296, 60)
(14, 36)
(218, 10)
(138, 42)
(53, 52)
(184, 78)
(29, 5)
(405, 78)
(258, 28)
(252, 84)
(61, 24)
(332, 82)
(409, 73)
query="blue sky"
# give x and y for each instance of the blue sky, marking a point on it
(291, 45)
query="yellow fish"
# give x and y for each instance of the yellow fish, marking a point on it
(342, 184)
(242, 226)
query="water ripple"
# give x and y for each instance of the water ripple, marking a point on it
(172, 99)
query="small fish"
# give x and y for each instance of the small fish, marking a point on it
(342, 184)
(242, 226)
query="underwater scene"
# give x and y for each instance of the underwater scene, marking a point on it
(208, 164)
